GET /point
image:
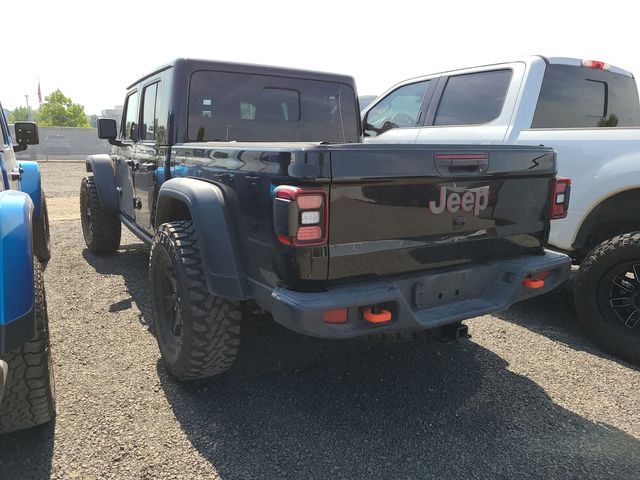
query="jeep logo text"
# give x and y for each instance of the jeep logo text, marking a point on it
(471, 200)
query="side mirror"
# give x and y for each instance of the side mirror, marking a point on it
(367, 129)
(107, 129)
(26, 134)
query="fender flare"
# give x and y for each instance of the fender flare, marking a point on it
(104, 176)
(606, 208)
(218, 248)
(17, 312)
(31, 185)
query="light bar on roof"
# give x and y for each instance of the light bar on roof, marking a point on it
(597, 64)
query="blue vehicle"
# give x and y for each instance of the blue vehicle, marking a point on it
(26, 377)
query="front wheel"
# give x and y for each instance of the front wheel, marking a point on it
(198, 333)
(29, 395)
(101, 229)
(607, 295)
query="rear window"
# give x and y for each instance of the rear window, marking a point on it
(473, 98)
(233, 106)
(579, 97)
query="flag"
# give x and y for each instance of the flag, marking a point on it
(39, 94)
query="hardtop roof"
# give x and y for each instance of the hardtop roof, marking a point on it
(201, 64)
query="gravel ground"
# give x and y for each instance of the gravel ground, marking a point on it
(62, 179)
(527, 396)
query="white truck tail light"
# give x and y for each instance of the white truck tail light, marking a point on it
(560, 192)
(300, 216)
(597, 64)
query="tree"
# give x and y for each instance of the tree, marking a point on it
(59, 111)
(612, 121)
(20, 114)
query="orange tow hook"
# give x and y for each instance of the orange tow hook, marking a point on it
(531, 282)
(380, 316)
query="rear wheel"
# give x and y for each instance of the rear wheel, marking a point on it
(29, 395)
(41, 235)
(101, 229)
(607, 294)
(198, 333)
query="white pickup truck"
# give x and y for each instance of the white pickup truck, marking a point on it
(589, 112)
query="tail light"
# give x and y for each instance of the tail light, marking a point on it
(300, 216)
(561, 189)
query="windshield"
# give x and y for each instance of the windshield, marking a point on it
(233, 106)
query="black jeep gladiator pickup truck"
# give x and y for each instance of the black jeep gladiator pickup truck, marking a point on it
(334, 238)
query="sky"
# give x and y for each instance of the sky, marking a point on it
(93, 50)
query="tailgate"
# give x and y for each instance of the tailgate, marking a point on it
(401, 208)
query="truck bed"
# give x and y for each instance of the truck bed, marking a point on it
(391, 209)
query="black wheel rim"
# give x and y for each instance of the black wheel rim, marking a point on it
(170, 301)
(167, 299)
(619, 295)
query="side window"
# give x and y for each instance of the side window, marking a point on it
(581, 97)
(399, 109)
(130, 115)
(149, 112)
(473, 99)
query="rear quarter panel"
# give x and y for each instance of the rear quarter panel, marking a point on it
(600, 163)
(247, 174)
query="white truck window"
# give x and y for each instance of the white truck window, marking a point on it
(473, 98)
(399, 109)
(579, 97)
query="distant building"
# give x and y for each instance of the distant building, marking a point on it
(115, 113)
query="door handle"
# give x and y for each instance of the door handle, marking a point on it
(461, 164)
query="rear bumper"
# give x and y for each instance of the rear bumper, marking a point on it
(419, 301)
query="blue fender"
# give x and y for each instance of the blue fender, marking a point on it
(30, 184)
(17, 312)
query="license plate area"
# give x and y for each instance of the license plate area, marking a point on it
(449, 287)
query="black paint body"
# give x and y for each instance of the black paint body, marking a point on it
(399, 216)
(379, 220)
